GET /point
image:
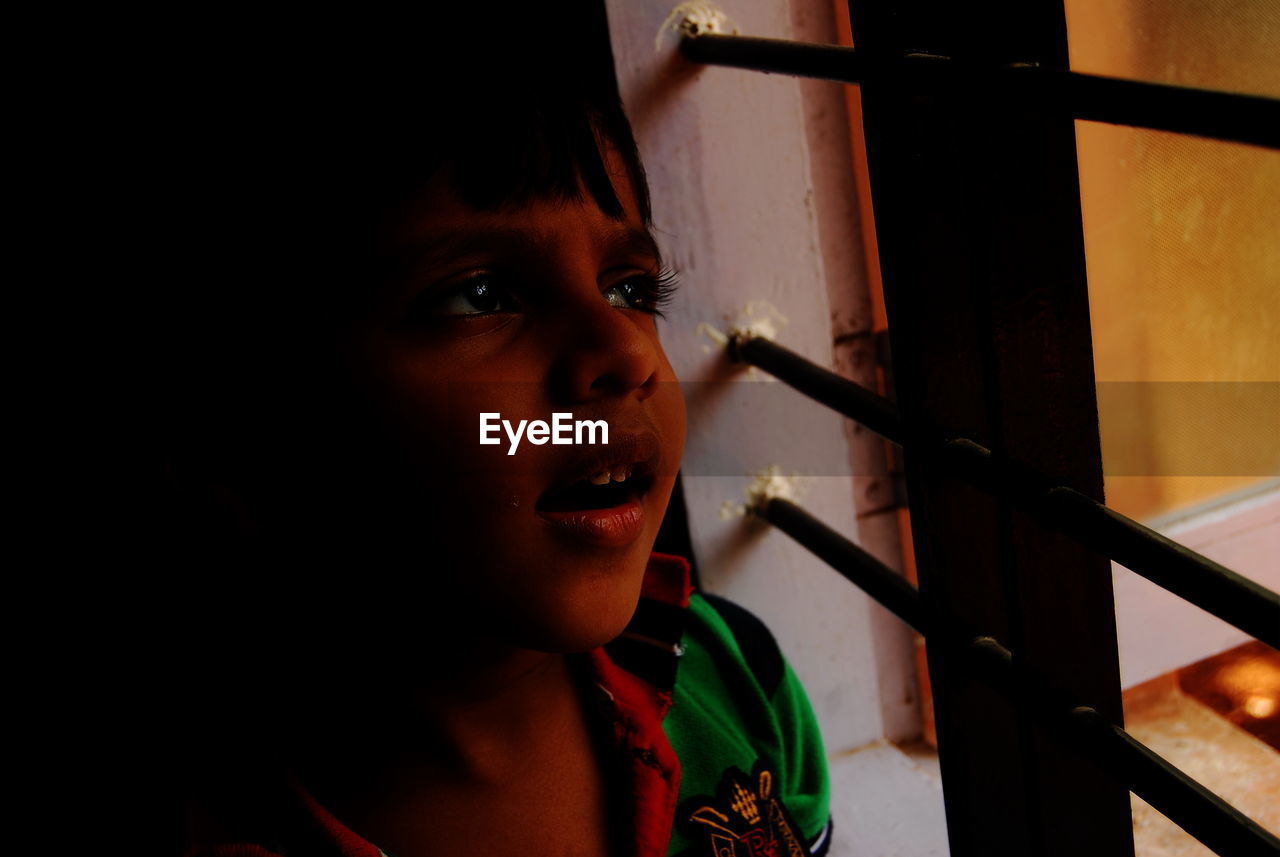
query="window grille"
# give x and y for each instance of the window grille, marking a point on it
(971, 154)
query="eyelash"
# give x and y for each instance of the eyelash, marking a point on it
(654, 291)
(657, 289)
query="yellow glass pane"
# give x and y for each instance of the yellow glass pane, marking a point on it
(1182, 241)
(1212, 44)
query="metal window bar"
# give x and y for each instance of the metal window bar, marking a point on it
(1024, 89)
(1231, 597)
(1200, 812)
(1238, 118)
(1249, 606)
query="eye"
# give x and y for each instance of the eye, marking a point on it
(478, 295)
(647, 292)
(627, 294)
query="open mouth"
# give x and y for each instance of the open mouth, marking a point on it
(599, 501)
(606, 489)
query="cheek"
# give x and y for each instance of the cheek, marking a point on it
(465, 511)
(671, 414)
(461, 499)
(678, 417)
(434, 421)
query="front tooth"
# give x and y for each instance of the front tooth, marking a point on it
(601, 478)
(622, 474)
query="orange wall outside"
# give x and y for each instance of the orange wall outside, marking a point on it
(1182, 240)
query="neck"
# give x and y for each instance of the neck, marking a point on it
(476, 719)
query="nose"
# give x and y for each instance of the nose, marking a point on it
(605, 351)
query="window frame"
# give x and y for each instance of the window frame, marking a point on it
(977, 212)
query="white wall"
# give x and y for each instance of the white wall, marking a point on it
(728, 158)
(1159, 632)
(754, 204)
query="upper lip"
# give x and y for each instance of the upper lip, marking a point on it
(638, 450)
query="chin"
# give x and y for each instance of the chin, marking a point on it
(579, 620)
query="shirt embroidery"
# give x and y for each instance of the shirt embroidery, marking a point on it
(744, 819)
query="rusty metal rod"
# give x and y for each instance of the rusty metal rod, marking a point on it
(1210, 586)
(1186, 802)
(1251, 119)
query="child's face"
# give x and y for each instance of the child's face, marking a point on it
(524, 312)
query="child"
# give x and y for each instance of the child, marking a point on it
(422, 644)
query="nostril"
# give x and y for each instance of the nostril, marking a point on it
(618, 384)
(648, 388)
(609, 385)
(606, 355)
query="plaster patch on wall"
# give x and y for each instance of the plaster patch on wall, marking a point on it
(730, 510)
(693, 19)
(719, 339)
(771, 483)
(758, 318)
(766, 485)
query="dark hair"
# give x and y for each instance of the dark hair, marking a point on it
(284, 174)
(296, 167)
(274, 168)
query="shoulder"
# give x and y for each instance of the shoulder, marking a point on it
(740, 631)
(677, 633)
(741, 724)
(738, 718)
(733, 673)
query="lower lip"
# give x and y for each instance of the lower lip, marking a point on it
(614, 527)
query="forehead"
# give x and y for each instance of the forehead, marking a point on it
(440, 222)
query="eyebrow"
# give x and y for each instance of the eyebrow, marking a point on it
(633, 242)
(630, 241)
